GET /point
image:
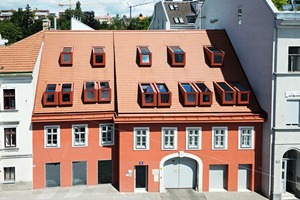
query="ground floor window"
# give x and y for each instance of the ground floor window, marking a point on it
(79, 173)
(9, 174)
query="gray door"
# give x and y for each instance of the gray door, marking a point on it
(79, 173)
(217, 177)
(244, 177)
(52, 174)
(180, 173)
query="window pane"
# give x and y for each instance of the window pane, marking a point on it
(66, 57)
(99, 58)
(179, 58)
(146, 58)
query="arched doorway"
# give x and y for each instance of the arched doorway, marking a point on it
(290, 174)
(181, 170)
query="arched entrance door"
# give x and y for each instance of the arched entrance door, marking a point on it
(290, 172)
(181, 170)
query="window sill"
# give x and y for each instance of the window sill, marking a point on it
(193, 149)
(136, 149)
(9, 110)
(219, 149)
(107, 144)
(80, 146)
(9, 182)
(10, 149)
(52, 147)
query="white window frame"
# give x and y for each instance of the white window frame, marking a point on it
(214, 129)
(105, 132)
(163, 147)
(291, 110)
(135, 147)
(3, 139)
(86, 135)
(199, 129)
(46, 134)
(251, 128)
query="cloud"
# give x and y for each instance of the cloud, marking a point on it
(100, 7)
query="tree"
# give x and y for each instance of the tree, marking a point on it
(89, 19)
(139, 23)
(280, 3)
(10, 31)
(28, 18)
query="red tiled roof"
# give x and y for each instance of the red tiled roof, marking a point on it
(21, 56)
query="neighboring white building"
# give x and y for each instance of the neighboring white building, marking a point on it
(78, 25)
(267, 42)
(19, 65)
(175, 15)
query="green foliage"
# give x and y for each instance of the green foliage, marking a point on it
(280, 3)
(10, 31)
(139, 23)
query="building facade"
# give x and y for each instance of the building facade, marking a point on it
(267, 43)
(18, 78)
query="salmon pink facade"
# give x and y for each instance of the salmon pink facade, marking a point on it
(145, 111)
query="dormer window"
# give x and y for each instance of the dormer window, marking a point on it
(243, 94)
(215, 56)
(98, 57)
(176, 56)
(188, 94)
(66, 56)
(226, 94)
(205, 95)
(147, 95)
(90, 92)
(50, 96)
(164, 96)
(66, 94)
(144, 56)
(104, 91)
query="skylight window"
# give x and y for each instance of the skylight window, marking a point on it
(176, 20)
(98, 57)
(243, 94)
(144, 56)
(215, 55)
(50, 96)
(226, 94)
(181, 20)
(66, 94)
(147, 95)
(66, 56)
(90, 92)
(164, 96)
(205, 95)
(104, 91)
(58, 94)
(176, 56)
(171, 7)
(188, 94)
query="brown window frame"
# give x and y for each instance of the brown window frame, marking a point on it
(222, 93)
(184, 94)
(54, 93)
(87, 90)
(241, 92)
(143, 95)
(12, 132)
(61, 94)
(95, 53)
(140, 54)
(204, 92)
(12, 174)
(172, 56)
(9, 99)
(63, 53)
(211, 54)
(102, 90)
(160, 95)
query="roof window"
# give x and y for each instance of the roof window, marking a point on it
(66, 56)
(90, 92)
(66, 94)
(144, 56)
(205, 95)
(243, 94)
(50, 96)
(188, 94)
(98, 57)
(147, 95)
(215, 56)
(164, 96)
(226, 94)
(58, 94)
(176, 56)
(104, 91)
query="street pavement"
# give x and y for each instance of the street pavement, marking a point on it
(108, 192)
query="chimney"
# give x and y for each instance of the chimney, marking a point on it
(46, 24)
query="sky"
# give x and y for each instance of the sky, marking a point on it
(100, 7)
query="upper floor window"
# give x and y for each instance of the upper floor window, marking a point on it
(52, 136)
(80, 135)
(9, 99)
(66, 56)
(98, 58)
(226, 94)
(164, 96)
(246, 138)
(147, 95)
(205, 95)
(188, 94)
(240, 15)
(9, 174)
(169, 138)
(107, 134)
(176, 56)
(243, 94)
(141, 138)
(215, 56)
(294, 59)
(219, 137)
(10, 137)
(193, 138)
(144, 57)
(292, 113)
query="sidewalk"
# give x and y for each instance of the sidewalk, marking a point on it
(107, 192)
